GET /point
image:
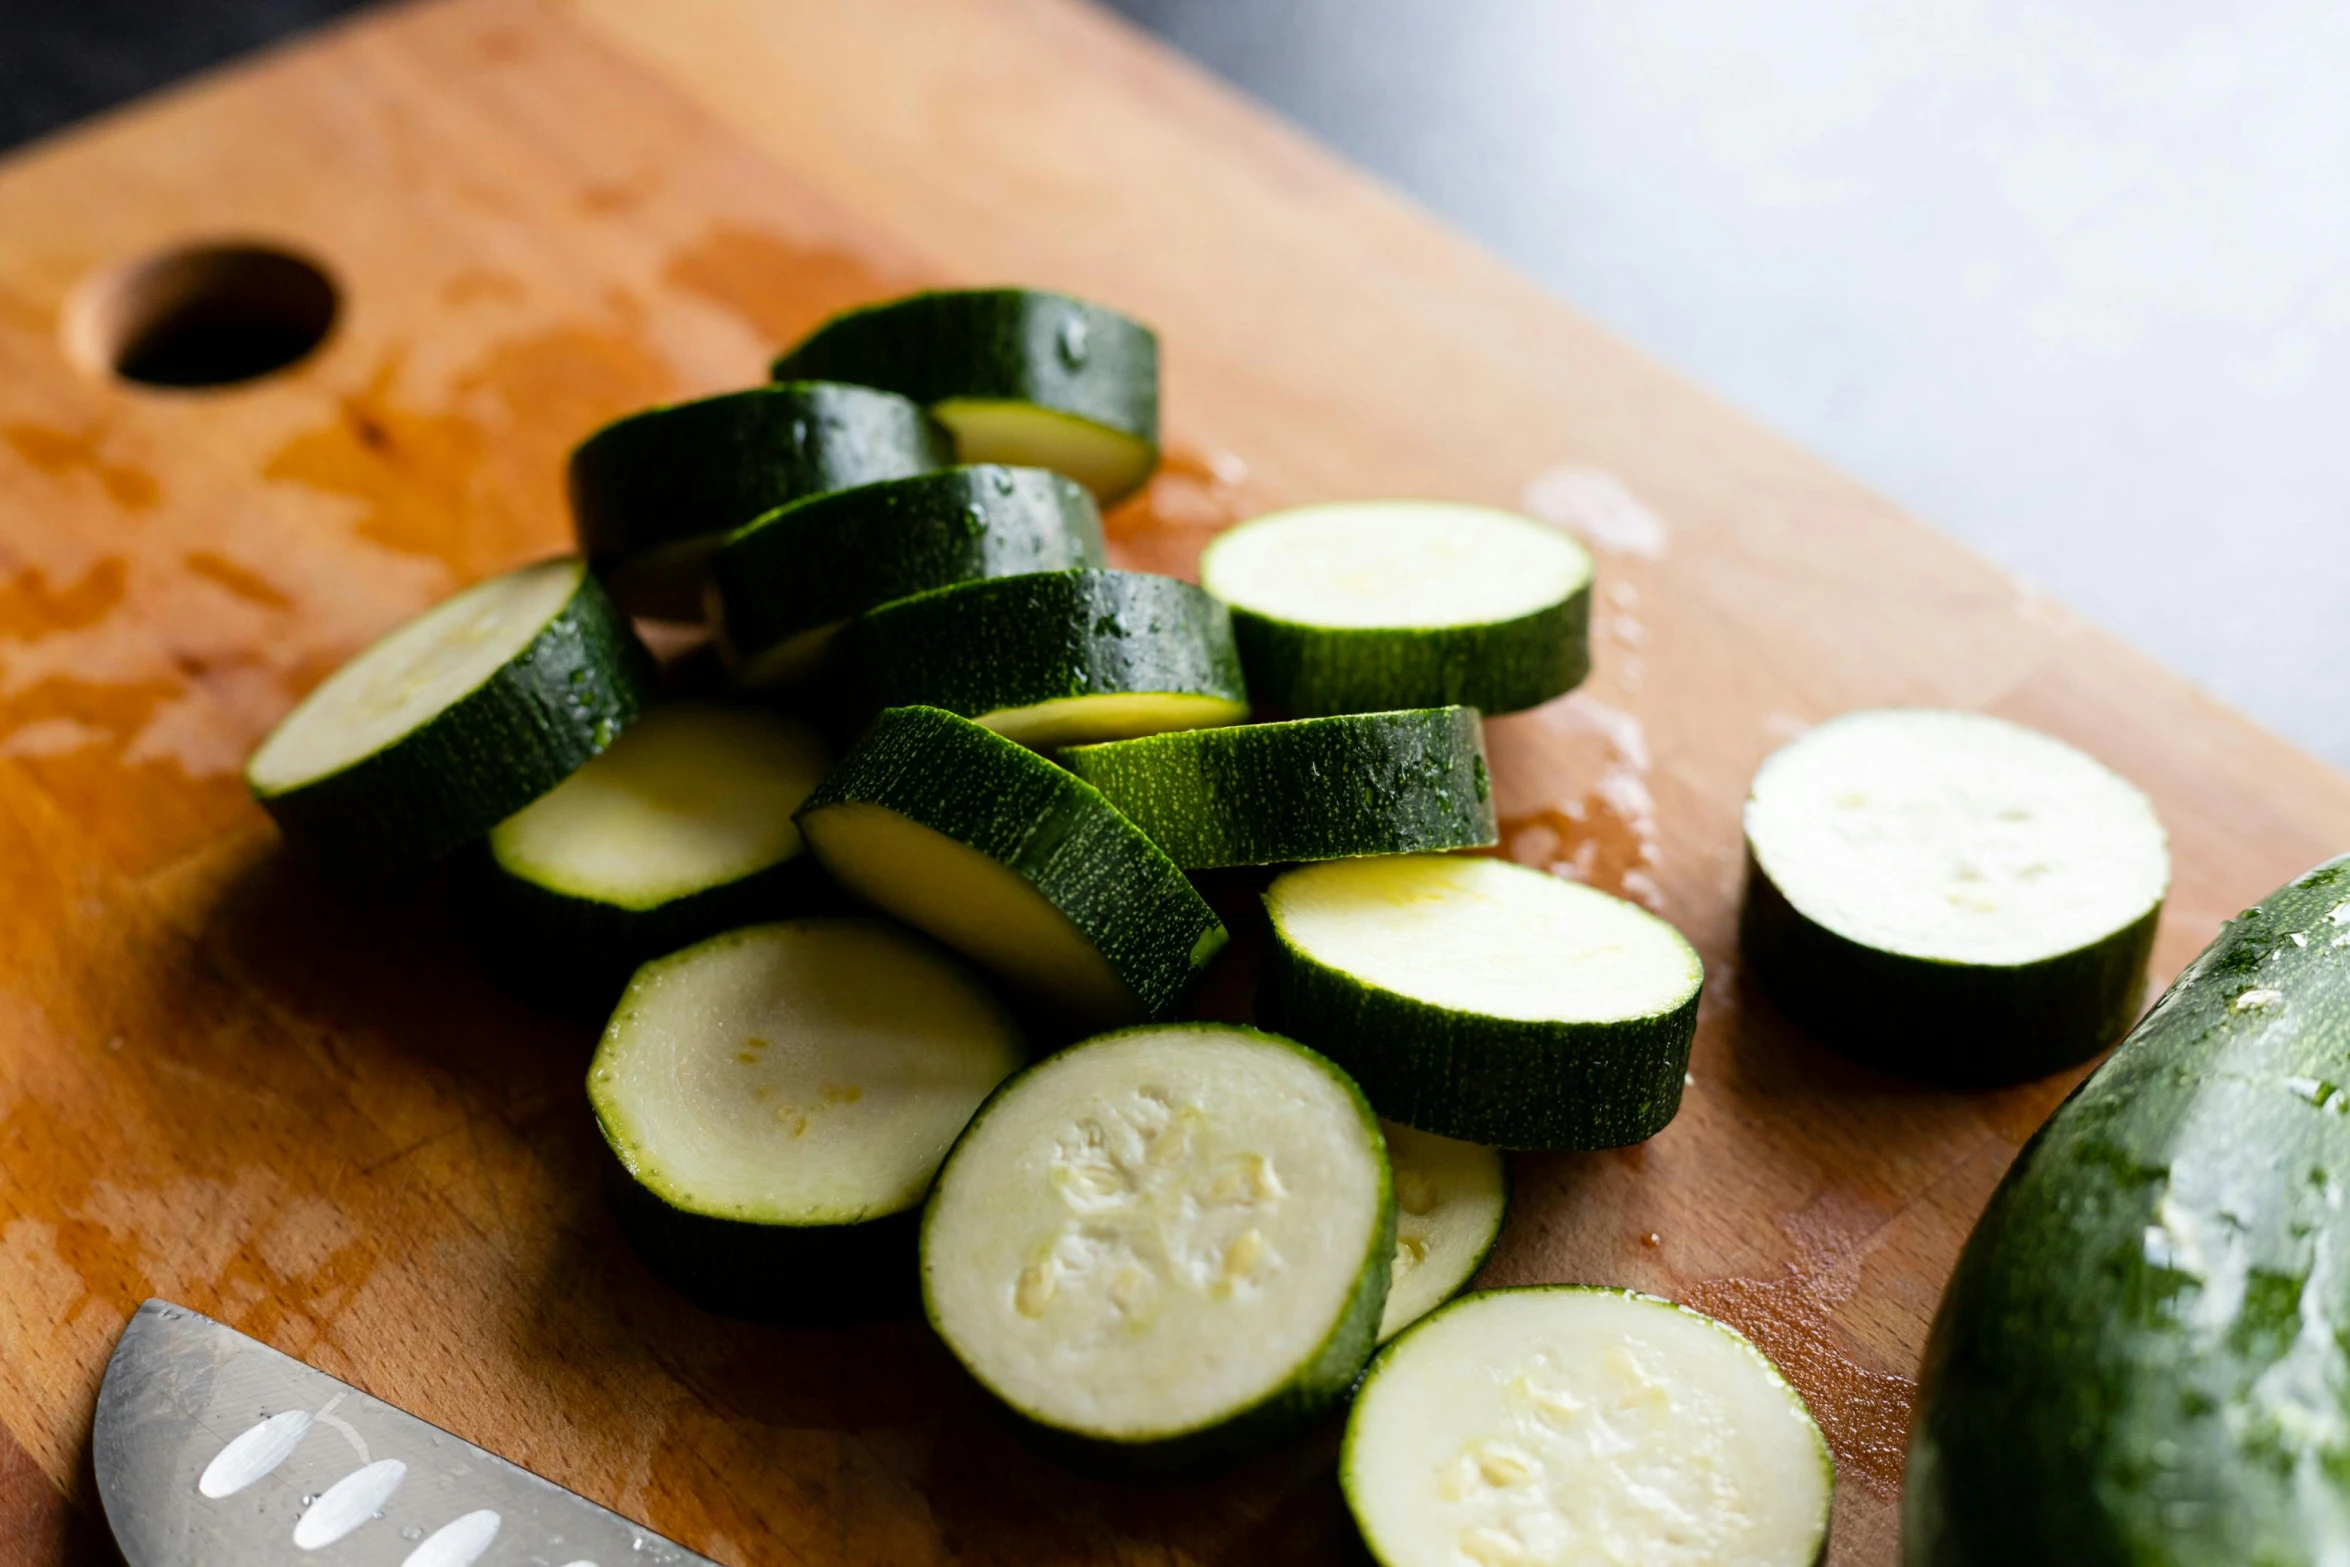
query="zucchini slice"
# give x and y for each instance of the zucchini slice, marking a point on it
(1948, 896)
(1363, 606)
(1482, 1000)
(790, 580)
(1008, 859)
(652, 494)
(1164, 1248)
(681, 830)
(1050, 658)
(1572, 1424)
(1310, 789)
(2139, 1358)
(777, 1100)
(450, 723)
(1449, 1200)
(1020, 375)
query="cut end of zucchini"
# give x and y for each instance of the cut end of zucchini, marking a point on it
(1159, 1232)
(1117, 715)
(803, 1074)
(1394, 565)
(971, 902)
(1582, 1425)
(1110, 463)
(1483, 936)
(1955, 838)
(1449, 1201)
(689, 798)
(412, 676)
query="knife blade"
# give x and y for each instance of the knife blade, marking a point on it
(214, 1450)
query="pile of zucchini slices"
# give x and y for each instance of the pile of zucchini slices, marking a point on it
(946, 806)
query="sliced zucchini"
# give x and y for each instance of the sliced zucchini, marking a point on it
(1482, 1000)
(791, 579)
(777, 1100)
(1005, 857)
(1363, 606)
(1949, 896)
(2140, 1355)
(681, 830)
(1574, 1424)
(1164, 1248)
(653, 493)
(454, 721)
(1020, 375)
(1449, 1200)
(1310, 789)
(1050, 658)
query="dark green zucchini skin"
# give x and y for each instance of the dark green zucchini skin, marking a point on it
(652, 493)
(1307, 671)
(948, 774)
(1963, 1024)
(823, 559)
(981, 647)
(1312, 789)
(1013, 344)
(799, 1275)
(2140, 1357)
(1501, 1082)
(575, 955)
(528, 727)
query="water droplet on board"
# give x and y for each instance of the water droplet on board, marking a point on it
(1073, 341)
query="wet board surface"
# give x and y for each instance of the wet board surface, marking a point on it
(321, 1123)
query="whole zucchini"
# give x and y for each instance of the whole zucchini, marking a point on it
(2141, 1356)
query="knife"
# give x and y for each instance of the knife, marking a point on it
(214, 1450)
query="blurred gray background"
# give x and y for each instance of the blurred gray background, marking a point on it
(2068, 279)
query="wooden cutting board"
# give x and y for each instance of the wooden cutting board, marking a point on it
(323, 1125)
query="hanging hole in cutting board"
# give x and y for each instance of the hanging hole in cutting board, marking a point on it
(201, 315)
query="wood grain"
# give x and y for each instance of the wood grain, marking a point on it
(320, 1123)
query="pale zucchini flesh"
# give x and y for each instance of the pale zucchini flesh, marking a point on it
(1167, 1243)
(1006, 857)
(1488, 938)
(806, 1073)
(412, 675)
(1378, 605)
(1951, 896)
(693, 796)
(975, 904)
(776, 1101)
(1109, 462)
(454, 721)
(1573, 1425)
(1118, 715)
(1449, 1200)
(1404, 565)
(1954, 837)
